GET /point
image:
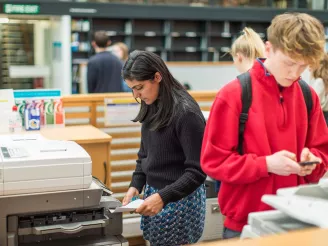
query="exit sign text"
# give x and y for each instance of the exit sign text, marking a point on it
(31, 9)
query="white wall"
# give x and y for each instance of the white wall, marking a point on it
(41, 51)
(208, 77)
(61, 53)
(204, 77)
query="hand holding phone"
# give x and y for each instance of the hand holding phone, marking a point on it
(308, 163)
(283, 163)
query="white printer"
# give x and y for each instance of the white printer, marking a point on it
(297, 208)
(33, 164)
(49, 197)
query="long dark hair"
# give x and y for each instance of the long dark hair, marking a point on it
(172, 97)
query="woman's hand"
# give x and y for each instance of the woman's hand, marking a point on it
(128, 196)
(151, 206)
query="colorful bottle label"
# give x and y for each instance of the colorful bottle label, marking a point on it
(21, 104)
(40, 105)
(32, 119)
(59, 112)
(49, 112)
(48, 102)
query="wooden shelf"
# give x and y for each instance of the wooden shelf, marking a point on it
(174, 39)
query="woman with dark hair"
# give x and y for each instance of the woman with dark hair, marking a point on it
(168, 165)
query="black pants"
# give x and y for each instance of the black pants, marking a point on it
(228, 233)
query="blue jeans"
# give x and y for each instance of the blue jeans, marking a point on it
(228, 233)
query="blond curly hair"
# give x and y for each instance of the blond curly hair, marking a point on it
(298, 35)
(322, 70)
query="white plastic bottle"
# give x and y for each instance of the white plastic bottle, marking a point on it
(15, 121)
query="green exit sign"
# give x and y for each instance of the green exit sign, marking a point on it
(29, 9)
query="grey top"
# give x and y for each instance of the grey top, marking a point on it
(319, 87)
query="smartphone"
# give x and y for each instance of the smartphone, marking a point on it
(308, 163)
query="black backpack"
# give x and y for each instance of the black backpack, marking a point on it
(246, 99)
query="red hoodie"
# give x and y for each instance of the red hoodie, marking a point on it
(272, 126)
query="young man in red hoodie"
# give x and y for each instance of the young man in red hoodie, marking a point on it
(278, 134)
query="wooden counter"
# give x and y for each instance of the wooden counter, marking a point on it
(80, 134)
(93, 140)
(313, 237)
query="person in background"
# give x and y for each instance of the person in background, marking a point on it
(168, 165)
(319, 82)
(246, 48)
(121, 50)
(104, 69)
(279, 132)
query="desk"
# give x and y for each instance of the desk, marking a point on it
(313, 237)
(93, 140)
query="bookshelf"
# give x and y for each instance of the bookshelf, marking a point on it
(16, 49)
(174, 40)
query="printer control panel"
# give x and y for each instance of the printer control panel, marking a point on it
(13, 152)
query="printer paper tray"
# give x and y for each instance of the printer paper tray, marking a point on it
(70, 228)
(309, 210)
(273, 222)
(84, 241)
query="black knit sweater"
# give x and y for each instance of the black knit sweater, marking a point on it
(169, 158)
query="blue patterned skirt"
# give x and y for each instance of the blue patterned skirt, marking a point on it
(179, 223)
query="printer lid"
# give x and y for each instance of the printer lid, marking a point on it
(41, 152)
(309, 210)
(307, 203)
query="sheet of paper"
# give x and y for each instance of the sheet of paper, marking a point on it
(129, 207)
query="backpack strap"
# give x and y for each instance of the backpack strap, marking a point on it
(246, 101)
(307, 96)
